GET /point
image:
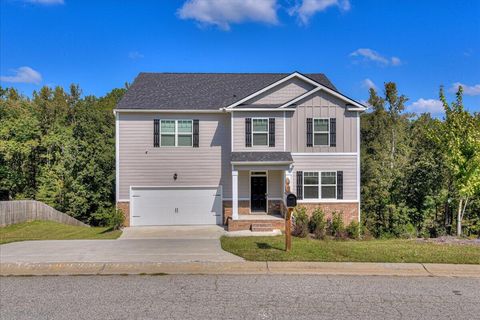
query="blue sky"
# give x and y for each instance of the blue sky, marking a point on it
(102, 44)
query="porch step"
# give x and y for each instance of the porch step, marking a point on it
(262, 227)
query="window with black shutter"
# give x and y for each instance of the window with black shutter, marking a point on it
(271, 132)
(248, 132)
(299, 185)
(309, 132)
(156, 133)
(339, 184)
(333, 132)
(196, 133)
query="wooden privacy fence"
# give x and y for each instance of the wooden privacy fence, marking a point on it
(18, 211)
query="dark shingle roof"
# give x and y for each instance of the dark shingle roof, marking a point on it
(199, 91)
(261, 157)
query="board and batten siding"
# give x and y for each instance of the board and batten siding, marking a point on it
(321, 105)
(239, 130)
(140, 164)
(283, 93)
(345, 163)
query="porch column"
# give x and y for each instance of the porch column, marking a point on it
(234, 195)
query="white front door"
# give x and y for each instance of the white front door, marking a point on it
(175, 206)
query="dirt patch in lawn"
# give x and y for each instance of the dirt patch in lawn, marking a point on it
(451, 240)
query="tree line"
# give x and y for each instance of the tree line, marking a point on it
(59, 148)
(420, 174)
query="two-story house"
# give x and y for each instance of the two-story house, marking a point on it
(224, 148)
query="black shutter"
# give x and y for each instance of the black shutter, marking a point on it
(195, 134)
(333, 132)
(271, 132)
(339, 184)
(299, 185)
(309, 132)
(156, 133)
(248, 132)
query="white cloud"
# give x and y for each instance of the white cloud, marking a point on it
(371, 55)
(46, 2)
(135, 55)
(467, 90)
(222, 13)
(310, 7)
(367, 83)
(432, 106)
(395, 61)
(23, 75)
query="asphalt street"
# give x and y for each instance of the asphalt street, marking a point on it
(239, 297)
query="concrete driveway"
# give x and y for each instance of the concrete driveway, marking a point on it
(138, 244)
(177, 232)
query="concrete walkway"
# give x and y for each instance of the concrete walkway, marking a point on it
(243, 267)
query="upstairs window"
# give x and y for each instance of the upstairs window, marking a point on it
(321, 132)
(260, 131)
(176, 133)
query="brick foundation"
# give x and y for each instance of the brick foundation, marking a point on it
(274, 207)
(125, 208)
(349, 211)
(243, 208)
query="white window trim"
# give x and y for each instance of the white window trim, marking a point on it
(319, 185)
(267, 132)
(327, 132)
(175, 133)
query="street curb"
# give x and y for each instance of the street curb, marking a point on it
(240, 268)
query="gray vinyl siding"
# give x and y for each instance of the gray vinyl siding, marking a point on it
(140, 164)
(283, 93)
(243, 185)
(275, 184)
(345, 163)
(321, 105)
(239, 130)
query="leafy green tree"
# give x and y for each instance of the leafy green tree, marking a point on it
(426, 177)
(385, 151)
(459, 138)
(19, 138)
(59, 147)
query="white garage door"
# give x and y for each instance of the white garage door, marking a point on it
(156, 206)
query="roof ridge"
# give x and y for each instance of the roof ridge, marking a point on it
(247, 73)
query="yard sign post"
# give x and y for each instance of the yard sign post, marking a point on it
(291, 203)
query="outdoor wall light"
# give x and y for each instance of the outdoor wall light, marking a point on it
(175, 176)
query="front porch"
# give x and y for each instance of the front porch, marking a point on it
(258, 191)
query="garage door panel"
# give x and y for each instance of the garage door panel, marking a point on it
(176, 206)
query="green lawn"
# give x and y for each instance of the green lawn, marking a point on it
(272, 249)
(49, 230)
